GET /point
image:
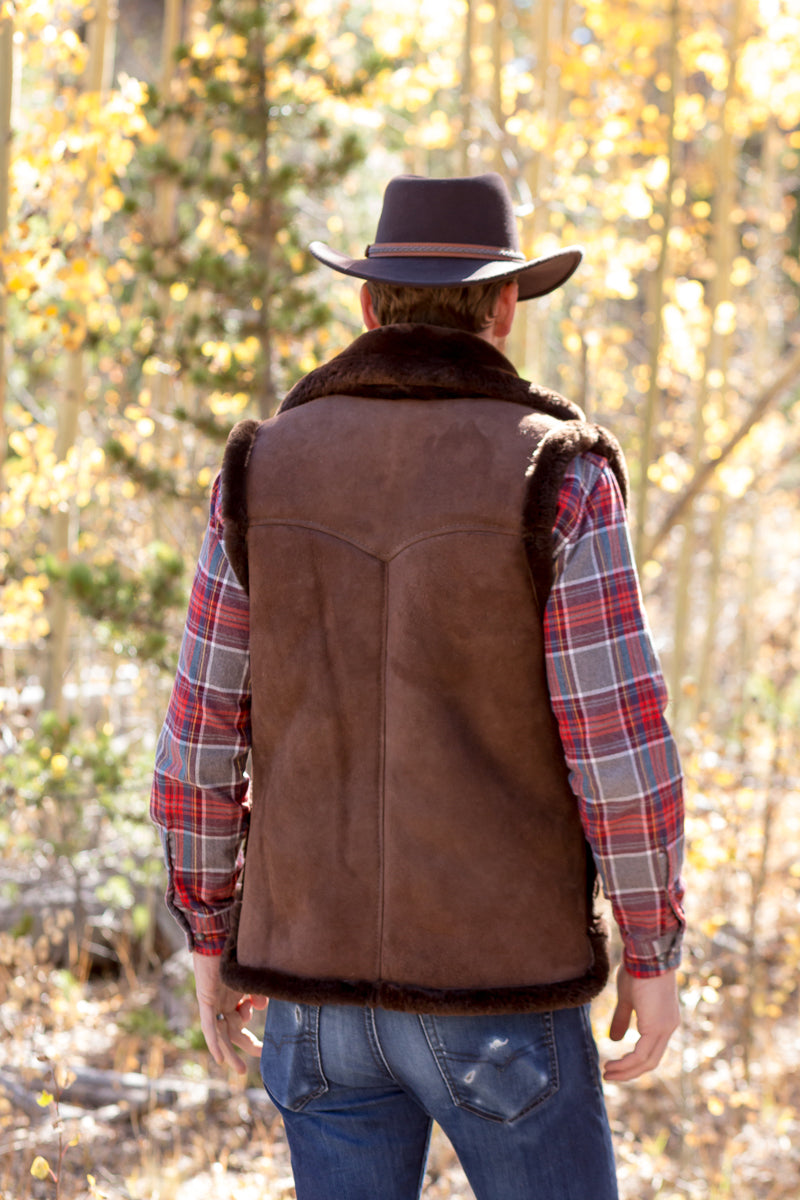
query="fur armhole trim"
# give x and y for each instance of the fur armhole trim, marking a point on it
(234, 497)
(545, 476)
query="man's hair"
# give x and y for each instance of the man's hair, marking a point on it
(470, 308)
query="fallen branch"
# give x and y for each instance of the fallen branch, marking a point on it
(705, 472)
(21, 1098)
(113, 1095)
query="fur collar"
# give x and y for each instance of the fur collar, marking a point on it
(425, 362)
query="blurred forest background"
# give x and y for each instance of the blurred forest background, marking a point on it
(163, 165)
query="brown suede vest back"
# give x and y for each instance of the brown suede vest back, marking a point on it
(414, 842)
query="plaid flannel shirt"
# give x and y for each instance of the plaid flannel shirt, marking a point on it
(607, 693)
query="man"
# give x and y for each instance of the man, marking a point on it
(416, 607)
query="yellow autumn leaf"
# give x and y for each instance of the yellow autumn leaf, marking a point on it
(18, 442)
(725, 318)
(202, 48)
(636, 201)
(17, 283)
(114, 198)
(59, 765)
(40, 1168)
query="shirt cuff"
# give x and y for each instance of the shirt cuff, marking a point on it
(206, 933)
(209, 933)
(643, 957)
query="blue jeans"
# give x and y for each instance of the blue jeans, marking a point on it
(519, 1097)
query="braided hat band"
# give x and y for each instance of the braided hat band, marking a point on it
(451, 233)
(442, 250)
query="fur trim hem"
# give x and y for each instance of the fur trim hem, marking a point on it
(234, 497)
(406, 997)
(546, 473)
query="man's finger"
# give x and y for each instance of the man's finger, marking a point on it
(247, 1041)
(208, 1025)
(223, 1035)
(620, 1021)
(646, 1054)
(238, 1034)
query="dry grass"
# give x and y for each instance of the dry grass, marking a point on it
(687, 1133)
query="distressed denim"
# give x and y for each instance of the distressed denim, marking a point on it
(519, 1096)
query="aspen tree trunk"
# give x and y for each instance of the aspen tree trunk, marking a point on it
(720, 345)
(550, 96)
(657, 300)
(497, 88)
(263, 243)
(166, 187)
(775, 786)
(683, 586)
(6, 87)
(530, 332)
(764, 353)
(6, 93)
(102, 43)
(716, 362)
(467, 84)
(62, 538)
(98, 73)
(746, 641)
(176, 140)
(542, 35)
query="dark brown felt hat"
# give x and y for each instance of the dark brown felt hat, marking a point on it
(450, 233)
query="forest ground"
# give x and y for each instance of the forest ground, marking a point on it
(200, 1133)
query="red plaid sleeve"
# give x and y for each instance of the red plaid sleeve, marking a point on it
(200, 791)
(608, 695)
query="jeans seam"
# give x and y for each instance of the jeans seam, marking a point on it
(590, 1049)
(305, 1041)
(552, 1045)
(435, 1056)
(374, 1043)
(313, 1036)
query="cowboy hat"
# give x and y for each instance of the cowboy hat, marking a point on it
(451, 233)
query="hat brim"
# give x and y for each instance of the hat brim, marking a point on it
(535, 278)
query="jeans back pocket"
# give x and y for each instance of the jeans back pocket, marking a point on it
(291, 1069)
(499, 1067)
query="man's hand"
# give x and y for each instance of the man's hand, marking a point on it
(213, 998)
(654, 999)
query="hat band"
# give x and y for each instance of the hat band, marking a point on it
(441, 250)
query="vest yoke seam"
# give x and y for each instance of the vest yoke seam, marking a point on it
(395, 551)
(382, 775)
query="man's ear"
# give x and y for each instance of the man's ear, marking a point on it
(505, 309)
(368, 309)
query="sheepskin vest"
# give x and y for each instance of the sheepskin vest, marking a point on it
(414, 843)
